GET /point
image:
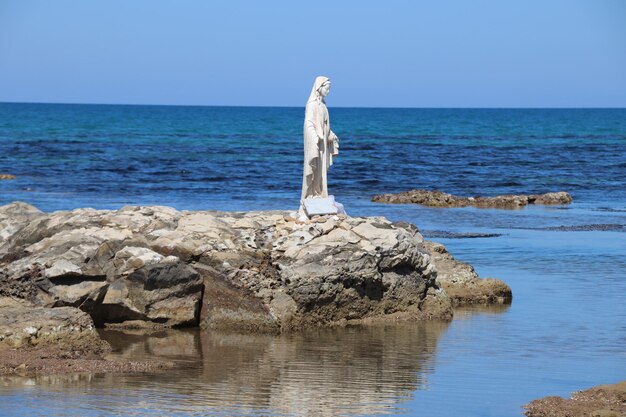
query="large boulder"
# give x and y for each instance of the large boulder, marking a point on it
(161, 292)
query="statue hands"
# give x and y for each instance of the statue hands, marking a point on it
(333, 142)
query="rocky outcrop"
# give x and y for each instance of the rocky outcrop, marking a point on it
(461, 282)
(43, 341)
(7, 177)
(600, 401)
(66, 328)
(248, 271)
(440, 199)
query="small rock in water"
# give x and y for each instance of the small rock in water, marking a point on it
(440, 199)
(7, 177)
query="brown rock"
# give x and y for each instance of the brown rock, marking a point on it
(461, 282)
(64, 328)
(600, 401)
(440, 199)
(7, 177)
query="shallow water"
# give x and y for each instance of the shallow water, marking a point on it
(566, 328)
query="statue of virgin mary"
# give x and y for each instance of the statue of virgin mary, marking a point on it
(320, 143)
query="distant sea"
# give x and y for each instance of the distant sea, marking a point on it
(250, 158)
(565, 330)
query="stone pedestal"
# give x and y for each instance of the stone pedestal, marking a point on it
(320, 206)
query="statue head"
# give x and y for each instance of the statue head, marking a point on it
(325, 88)
(321, 88)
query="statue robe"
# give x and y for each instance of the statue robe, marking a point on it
(320, 145)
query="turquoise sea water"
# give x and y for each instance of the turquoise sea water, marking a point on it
(566, 328)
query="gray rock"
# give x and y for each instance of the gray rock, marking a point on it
(162, 293)
(247, 271)
(64, 328)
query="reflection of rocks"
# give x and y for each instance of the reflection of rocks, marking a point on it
(368, 369)
(441, 199)
(461, 282)
(260, 271)
(323, 372)
(600, 401)
(136, 345)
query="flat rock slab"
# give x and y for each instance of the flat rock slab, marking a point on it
(442, 200)
(320, 206)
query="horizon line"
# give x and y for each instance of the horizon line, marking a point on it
(344, 107)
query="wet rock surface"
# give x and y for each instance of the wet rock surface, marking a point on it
(247, 271)
(462, 283)
(600, 401)
(65, 328)
(440, 199)
(40, 340)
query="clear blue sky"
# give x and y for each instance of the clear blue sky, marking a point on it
(396, 53)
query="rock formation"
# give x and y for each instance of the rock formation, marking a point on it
(600, 401)
(246, 271)
(64, 328)
(461, 282)
(441, 199)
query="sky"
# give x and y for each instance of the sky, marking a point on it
(397, 53)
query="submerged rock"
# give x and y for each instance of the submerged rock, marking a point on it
(444, 234)
(600, 401)
(440, 199)
(247, 271)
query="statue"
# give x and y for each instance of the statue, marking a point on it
(320, 145)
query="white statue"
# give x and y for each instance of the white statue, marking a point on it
(320, 145)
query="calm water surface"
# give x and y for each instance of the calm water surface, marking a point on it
(566, 329)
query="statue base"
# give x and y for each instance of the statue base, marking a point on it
(322, 205)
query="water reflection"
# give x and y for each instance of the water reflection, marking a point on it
(342, 371)
(469, 312)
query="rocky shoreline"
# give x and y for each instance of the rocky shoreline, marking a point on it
(600, 401)
(444, 200)
(258, 271)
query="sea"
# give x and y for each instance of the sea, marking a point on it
(564, 331)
